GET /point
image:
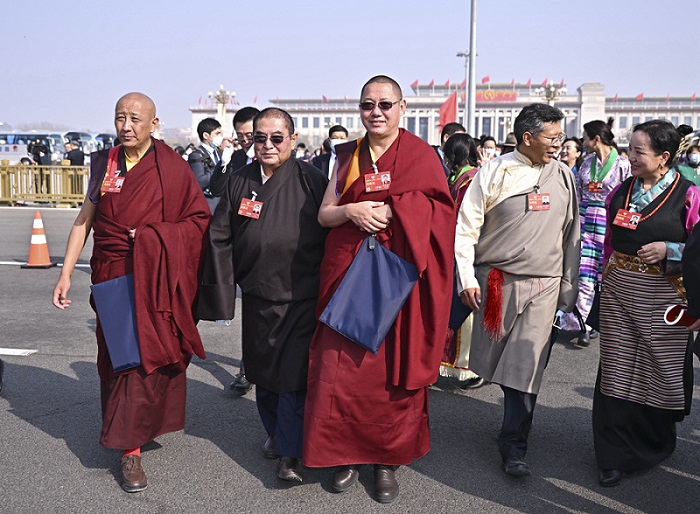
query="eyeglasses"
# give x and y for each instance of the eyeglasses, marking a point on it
(556, 139)
(261, 139)
(384, 106)
(244, 136)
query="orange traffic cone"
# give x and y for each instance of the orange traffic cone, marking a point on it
(39, 248)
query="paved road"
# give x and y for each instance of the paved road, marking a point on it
(50, 460)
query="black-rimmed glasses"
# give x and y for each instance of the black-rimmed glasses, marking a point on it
(275, 139)
(383, 105)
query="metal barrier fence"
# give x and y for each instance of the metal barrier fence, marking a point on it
(61, 185)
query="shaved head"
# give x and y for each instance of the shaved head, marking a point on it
(135, 120)
(383, 79)
(147, 105)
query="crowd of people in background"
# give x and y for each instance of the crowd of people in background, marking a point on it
(512, 241)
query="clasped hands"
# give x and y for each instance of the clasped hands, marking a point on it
(371, 217)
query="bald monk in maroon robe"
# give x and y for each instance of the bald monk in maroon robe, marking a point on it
(373, 409)
(149, 218)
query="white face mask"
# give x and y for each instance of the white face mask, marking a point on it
(336, 142)
(694, 158)
(300, 154)
(490, 151)
(216, 141)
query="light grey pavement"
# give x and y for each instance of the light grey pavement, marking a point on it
(50, 460)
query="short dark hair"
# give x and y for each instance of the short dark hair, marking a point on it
(532, 119)
(245, 114)
(460, 150)
(207, 125)
(663, 137)
(275, 112)
(488, 138)
(690, 150)
(337, 128)
(601, 129)
(451, 128)
(684, 129)
(383, 79)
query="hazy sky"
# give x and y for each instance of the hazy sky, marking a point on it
(66, 62)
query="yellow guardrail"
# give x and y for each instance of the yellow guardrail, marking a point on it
(60, 185)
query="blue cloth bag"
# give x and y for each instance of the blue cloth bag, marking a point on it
(370, 296)
(114, 300)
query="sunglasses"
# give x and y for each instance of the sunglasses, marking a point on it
(384, 106)
(276, 139)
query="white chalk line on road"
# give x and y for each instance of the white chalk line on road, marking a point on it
(592, 496)
(16, 351)
(60, 264)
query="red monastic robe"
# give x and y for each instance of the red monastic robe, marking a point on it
(363, 408)
(160, 199)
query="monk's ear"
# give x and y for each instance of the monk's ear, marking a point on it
(293, 139)
(154, 125)
(402, 106)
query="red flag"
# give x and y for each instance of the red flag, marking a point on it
(432, 83)
(486, 79)
(200, 101)
(414, 84)
(447, 84)
(668, 97)
(346, 99)
(277, 99)
(561, 84)
(640, 96)
(325, 98)
(544, 82)
(512, 83)
(693, 97)
(448, 110)
(255, 100)
(615, 98)
(464, 95)
(463, 84)
(529, 83)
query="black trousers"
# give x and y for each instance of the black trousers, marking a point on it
(518, 408)
(282, 416)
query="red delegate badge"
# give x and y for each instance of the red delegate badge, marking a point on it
(595, 187)
(627, 219)
(250, 208)
(377, 182)
(112, 184)
(538, 202)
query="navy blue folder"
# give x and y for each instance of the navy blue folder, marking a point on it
(370, 296)
(114, 300)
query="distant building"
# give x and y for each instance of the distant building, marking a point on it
(497, 106)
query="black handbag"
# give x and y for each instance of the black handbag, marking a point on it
(370, 296)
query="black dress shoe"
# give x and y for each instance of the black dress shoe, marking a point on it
(269, 448)
(344, 478)
(516, 467)
(610, 477)
(241, 385)
(386, 488)
(584, 339)
(288, 469)
(474, 383)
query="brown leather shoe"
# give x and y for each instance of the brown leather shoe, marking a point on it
(133, 476)
(269, 448)
(386, 488)
(288, 469)
(344, 478)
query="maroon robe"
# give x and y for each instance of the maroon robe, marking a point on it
(160, 199)
(363, 408)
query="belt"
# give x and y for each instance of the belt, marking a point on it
(636, 264)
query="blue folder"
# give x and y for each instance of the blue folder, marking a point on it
(114, 300)
(370, 296)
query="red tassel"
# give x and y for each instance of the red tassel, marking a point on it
(493, 311)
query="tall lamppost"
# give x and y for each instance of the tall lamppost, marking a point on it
(551, 92)
(465, 55)
(222, 98)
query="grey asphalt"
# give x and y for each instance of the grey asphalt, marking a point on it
(50, 459)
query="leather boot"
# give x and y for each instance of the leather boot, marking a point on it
(133, 475)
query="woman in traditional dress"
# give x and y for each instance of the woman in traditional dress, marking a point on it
(461, 158)
(644, 382)
(600, 173)
(572, 153)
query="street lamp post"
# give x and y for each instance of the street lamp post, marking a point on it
(465, 55)
(222, 98)
(551, 92)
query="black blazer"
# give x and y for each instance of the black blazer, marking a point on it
(219, 177)
(322, 162)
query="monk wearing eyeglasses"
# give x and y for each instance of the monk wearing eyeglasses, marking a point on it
(363, 408)
(266, 238)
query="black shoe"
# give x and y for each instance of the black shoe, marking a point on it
(584, 339)
(386, 488)
(288, 470)
(344, 478)
(594, 334)
(240, 385)
(474, 383)
(516, 467)
(2, 372)
(269, 448)
(610, 477)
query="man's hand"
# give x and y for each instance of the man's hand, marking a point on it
(368, 216)
(695, 326)
(653, 252)
(471, 298)
(60, 293)
(226, 153)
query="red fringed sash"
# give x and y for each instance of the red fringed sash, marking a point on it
(493, 311)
